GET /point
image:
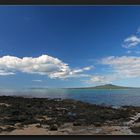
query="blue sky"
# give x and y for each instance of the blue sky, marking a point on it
(69, 46)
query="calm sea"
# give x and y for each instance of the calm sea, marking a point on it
(102, 97)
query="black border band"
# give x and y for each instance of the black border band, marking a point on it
(69, 2)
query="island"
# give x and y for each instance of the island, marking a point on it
(106, 86)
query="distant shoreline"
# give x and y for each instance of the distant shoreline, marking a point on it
(103, 87)
(107, 86)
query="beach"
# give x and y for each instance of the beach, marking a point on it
(44, 116)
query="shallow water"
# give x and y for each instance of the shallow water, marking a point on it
(106, 97)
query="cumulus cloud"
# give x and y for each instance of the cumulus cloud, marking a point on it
(42, 65)
(125, 66)
(117, 68)
(131, 41)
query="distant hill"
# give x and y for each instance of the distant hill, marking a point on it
(110, 86)
(107, 86)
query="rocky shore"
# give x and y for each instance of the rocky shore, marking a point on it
(43, 116)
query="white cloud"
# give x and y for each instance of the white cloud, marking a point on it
(128, 52)
(4, 73)
(42, 65)
(87, 68)
(81, 70)
(131, 41)
(102, 79)
(134, 52)
(119, 68)
(125, 66)
(37, 80)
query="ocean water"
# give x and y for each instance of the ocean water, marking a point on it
(101, 97)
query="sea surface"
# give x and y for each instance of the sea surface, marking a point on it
(101, 97)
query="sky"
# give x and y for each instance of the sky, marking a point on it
(69, 46)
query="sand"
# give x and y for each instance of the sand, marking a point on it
(69, 129)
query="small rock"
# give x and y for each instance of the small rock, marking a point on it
(97, 124)
(38, 126)
(1, 129)
(54, 127)
(71, 116)
(76, 124)
(9, 129)
(138, 120)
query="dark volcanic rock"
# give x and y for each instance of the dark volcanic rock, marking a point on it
(135, 129)
(9, 129)
(77, 124)
(138, 120)
(57, 111)
(53, 127)
(97, 124)
(1, 129)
